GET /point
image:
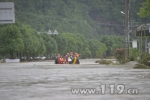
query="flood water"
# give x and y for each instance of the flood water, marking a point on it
(48, 81)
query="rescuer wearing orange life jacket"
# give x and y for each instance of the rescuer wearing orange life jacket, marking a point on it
(61, 61)
(77, 55)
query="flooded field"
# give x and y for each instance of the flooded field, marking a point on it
(48, 81)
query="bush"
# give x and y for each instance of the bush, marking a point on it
(97, 61)
(143, 62)
(141, 66)
(110, 57)
(104, 62)
(120, 55)
(117, 63)
(145, 58)
(134, 54)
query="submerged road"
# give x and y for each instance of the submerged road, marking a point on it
(48, 81)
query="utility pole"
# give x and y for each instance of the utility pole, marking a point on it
(127, 27)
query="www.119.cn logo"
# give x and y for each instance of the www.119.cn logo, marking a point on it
(112, 89)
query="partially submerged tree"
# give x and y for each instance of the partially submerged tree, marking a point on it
(120, 55)
(101, 50)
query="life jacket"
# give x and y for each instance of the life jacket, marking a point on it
(74, 60)
(60, 60)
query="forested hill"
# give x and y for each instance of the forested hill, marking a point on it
(92, 18)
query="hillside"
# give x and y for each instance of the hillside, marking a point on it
(92, 18)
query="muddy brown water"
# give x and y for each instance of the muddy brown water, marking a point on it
(48, 81)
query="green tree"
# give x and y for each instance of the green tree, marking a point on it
(61, 43)
(75, 43)
(42, 46)
(86, 53)
(101, 50)
(93, 46)
(70, 41)
(12, 41)
(54, 49)
(35, 45)
(112, 42)
(26, 32)
(145, 9)
(134, 53)
(51, 46)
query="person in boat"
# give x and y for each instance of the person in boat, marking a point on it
(57, 60)
(77, 55)
(76, 59)
(66, 58)
(69, 60)
(72, 56)
(61, 60)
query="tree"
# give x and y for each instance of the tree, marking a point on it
(82, 44)
(26, 32)
(12, 40)
(42, 46)
(36, 47)
(134, 53)
(61, 43)
(112, 42)
(51, 46)
(54, 49)
(86, 53)
(33, 43)
(145, 9)
(71, 42)
(75, 43)
(101, 50)
(93, 46)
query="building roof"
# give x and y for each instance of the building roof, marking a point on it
(143, 30)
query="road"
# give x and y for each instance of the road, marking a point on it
(48, 81)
